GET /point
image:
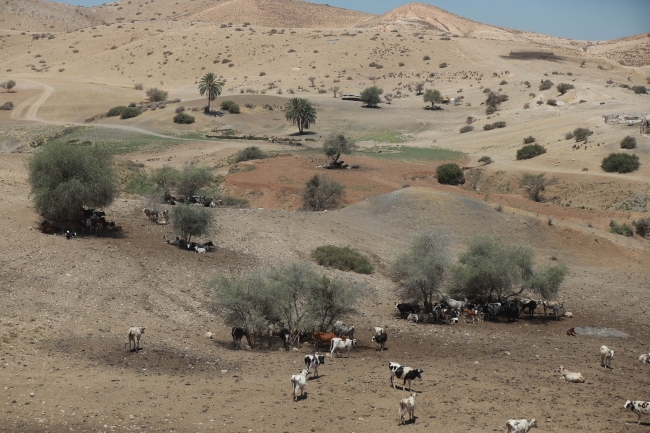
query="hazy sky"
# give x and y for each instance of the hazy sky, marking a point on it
(576, 19)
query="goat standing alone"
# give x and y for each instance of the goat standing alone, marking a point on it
(606, 356)
(407, 405)
(298, 382)
(520, 425)
(134, 335)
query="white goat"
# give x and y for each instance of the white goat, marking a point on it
(520, 425)
(644, 358)
(606, 356)
(298, 382)
(412, 318)
(407, 405)
(378, 330)
(570, 376)
(134, 335)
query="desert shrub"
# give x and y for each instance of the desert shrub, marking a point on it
(639, 90)
(622, 229)
(230, 201)
(7, 106)
(494, 100)
(581, 134)
(569, 135)
(503, 83)
(164, 178)
(443, 65)
(65, 178)
(138, 86)
(230, 107)
(129, 113)
(545, 85)
(485, 159)
(425, 58)
(490, 110)
(116, 111)
(642, 227)
(526, 106)
(535, 184)
(262, 74)
(530, 151)
(539, 102)
(249, 153)
(188, 221)
(156, 95)
(620, 163)
(450, 174)
(552, 102)
(495, 125)
(192, 179)
(184, 119)
(628, 142)
(342, 258)
(564, 87)
(488, 127)
(322, 193)
(371, 96)
(529, 139)
(180, 109)
(466, 128)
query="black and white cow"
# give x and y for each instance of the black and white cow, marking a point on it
(380, 339)
(406, 373)
(314, 361)
(405, 309)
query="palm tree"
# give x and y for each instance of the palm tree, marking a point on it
(300, 112)
(211, 85)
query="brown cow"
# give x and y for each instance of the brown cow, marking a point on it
(323, 337)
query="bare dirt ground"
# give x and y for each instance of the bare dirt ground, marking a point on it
(65, 306)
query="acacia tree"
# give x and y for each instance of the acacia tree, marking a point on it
(192, 179)
(564, 87)
(494, 100)
(188, 221)
(336, 145)
(65, 178)
(300, 112)
(433, 96)
(371, 96)
(419, 87)
(421, 269)
(211, 86)
(535, 184)
(8, 85)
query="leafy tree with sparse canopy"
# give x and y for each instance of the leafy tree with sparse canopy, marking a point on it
(66, 178)
(421, 270)
(371, 96)
(322, 193)
(210, 86)
(8, 85)
(188, 221)
(433, 96)
(494, 100)
(535, 184)
(336, 145)
(156, 95)
(301, 112)
(165, 178)
(564, 87)
(192, 179)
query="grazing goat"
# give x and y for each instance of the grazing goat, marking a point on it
(571, 331)
(548, 305)
(237, 334)
(314, 361)
(644, 358)
(570, 376)
(298, 382)
(406, 373)
(134, 335)
(380, 339)
(606, 356)
(473, 314)
(639, 407)
(520, 425)
(556, 311)
(344, 331)
(337, 344)
(412, 318)
(378, 330)
(407, 405)
(530, 305)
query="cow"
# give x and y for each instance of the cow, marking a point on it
(314, 361)
(408, 374)
(381, 340)
(134, 335)
(237, 334)
(322, 337)
(531, 305)
(337, 344)
(638, 407)
(405, 309)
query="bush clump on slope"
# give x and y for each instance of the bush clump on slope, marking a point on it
(252, 152)
(230, 107)
(450, 174)
(628, 142)
(620, 163)
(342, 258)
(183, 118)
(530, 151)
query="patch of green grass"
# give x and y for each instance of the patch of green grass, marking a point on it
(118, 141)
(139, 185)
(344, 259)
(384, 137)
(408, 153)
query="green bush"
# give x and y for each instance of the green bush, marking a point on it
(529, 139)
(116, 111)
(642, 227)
(183, 118)
(450, 174)
(139, 185)
(343, 259)
(371, 96)
(322, 193)
(252, 152)
(581, 134)
(490, 110)
(488, 127)
(620, 163)
(564, 87)
(530, 151)
(230, 201)
(466, 128)
(485, 159)
(639, 90)
(551, 102)
(623, 229)
(545, 85)
(500, 124)
(230, 107)
(129, 113)
(628, 142)
(192, 179)
(156, 95)
(188, 221)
